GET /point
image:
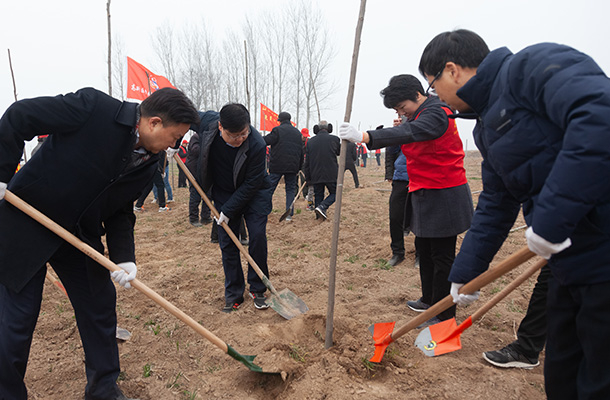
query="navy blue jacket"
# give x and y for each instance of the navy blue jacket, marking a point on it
(544, 133)
(78, 179)
(395, 164)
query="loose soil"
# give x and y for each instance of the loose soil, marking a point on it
(165, 359)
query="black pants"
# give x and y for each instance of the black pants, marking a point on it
(181, 178)
(351, 166)
(531, 335)
(577, 351)
(243, 234)
(194, 200)
(160, 185)
(94, 303)
(318, 193)
(398, 200)
(436, 257)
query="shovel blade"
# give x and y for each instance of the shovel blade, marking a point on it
(442, 338)
(287, 304)
(248, 361)
(382, 335)
(283, 216)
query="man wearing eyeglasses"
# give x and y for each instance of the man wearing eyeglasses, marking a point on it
(232, 165)
(544, 133)
(439, 203)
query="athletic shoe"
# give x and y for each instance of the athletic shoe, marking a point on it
(163, 209)
(418, 305)
(153, 201)
(288, 219)
(509, 357)
(230, 307)
(196, 224)
(260, 302)
(138, 209)
(244, 242)
(170, 200)
(320, 212)
(431, 321)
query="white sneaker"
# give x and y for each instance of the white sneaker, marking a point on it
(163, 209)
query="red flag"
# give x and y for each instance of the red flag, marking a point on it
(268, 118)
(141, 82)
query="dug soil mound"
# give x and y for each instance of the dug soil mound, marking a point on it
(165, 359)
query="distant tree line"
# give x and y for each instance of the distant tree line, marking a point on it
(279, 57)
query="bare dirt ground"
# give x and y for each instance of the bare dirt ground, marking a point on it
(166, 359)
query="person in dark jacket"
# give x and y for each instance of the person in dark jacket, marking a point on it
(321, 166)
(231, 166)
(285, 157)
(158, 183)
(396, 173)
(544, 133)
(100, 155)
(439, 204)
(350, 162)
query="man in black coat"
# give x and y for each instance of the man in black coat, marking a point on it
(285, 157)
(321, 166)
(100, 154)
(231, 164)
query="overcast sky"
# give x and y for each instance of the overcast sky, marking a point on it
(60, 46)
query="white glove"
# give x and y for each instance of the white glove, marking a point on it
(2, 190)
(221, 219)
(543, 247)
(350, 133)
(462, 299)
(170, 152)
(127, 273)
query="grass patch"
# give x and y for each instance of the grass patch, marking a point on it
(352, 259)
(298, 353)
(382, 263)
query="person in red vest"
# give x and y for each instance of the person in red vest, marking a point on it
(378, 157)
(439, 203)
(182, 152)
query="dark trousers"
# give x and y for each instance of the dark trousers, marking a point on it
(290, 183)
(577, 352)
(364, 157)
(436, 257)
(94, 304)
(398, 201)
(160, 185)
(181, 178)
(243, 235)
(351, 166)
(378, 157)
(318, 193)
(231, 261)
(194, 200)
(531, 335)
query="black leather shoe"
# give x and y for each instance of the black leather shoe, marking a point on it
(395, 260)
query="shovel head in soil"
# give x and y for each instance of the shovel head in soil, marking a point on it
(382, 335)
(442, 338)
(286, 303)
(248, 361)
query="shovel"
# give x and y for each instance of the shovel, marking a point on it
(383, 333)
(283, 217)
(444, 337)
(285, 303)
(106, 263)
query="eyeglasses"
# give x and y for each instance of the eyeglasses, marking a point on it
(438, 75)
(238, 136)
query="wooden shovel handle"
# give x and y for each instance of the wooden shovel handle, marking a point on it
(216, 214)
(477, 283)
(106, 263)
(508, 289)
(297, 195)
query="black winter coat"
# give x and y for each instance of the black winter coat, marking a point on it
(321, 158)
(78, 179)
(286, 153)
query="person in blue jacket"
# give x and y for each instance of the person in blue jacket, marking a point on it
(543, 129)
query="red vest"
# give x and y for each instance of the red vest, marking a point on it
(438, 163)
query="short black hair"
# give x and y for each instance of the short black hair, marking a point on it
(401, 88)
(171, 105)
(234, 117)
(463, 47)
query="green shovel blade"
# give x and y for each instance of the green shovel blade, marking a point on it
(248, 361)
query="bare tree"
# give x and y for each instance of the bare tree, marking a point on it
(163, 42)
(109, 50)
(118, 67)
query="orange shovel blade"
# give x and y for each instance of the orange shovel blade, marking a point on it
(382, 335)
(442, 338)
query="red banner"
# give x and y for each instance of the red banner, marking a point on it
(141, 82)
(268, 118)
